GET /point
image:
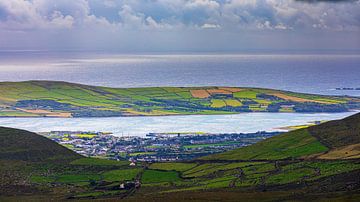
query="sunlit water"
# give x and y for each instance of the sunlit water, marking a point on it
(140, 126)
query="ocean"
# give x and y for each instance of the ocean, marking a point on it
(316, 73)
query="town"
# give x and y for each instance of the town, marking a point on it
(155, 147)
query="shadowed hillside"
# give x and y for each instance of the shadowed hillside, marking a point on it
(18, 144)
(336, 134)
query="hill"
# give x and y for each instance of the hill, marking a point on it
(38, 169)
(61, 99)
(317, 163)
(341, 133)
(330, 138)
(303, 165)
(22, 145)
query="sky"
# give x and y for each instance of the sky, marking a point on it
(180, 25)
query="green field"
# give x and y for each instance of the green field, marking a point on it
(121, 174)
(61, 99)
(99, 162)
(156, 176)
(289, 145)
(249, 94)
(172, 166)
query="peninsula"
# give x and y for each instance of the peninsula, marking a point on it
(62, 99)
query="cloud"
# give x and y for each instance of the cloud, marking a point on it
(327, 1)
(135, 14)
(119, 21)
(210, 26)
(46, 14)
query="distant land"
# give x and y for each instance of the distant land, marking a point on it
(347, 88)
(319, 163)
(62, 99)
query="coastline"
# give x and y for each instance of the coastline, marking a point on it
(170, 115)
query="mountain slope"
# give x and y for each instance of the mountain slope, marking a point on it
(22, 145)
(294, 166)
(62, 99)
(34, 168)
(340, 138)
(341, 133)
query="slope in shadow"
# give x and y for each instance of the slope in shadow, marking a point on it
(22, 145)
(338, 133)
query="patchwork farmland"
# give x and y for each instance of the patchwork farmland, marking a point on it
(61, 99)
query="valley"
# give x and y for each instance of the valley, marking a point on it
(284, 167)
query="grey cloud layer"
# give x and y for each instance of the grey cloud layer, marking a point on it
(178, 14)
(179, 25)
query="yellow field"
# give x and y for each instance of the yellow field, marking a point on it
(233, 90)
(296, 99)
(85, 135)
(217, 103)
(233, 103)
(152, 113)
(347, 152)
(46, 113)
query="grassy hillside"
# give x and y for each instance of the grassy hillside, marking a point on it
(34, 166)
(321, 163)
(334, 136)
(290, 145)
(61, 99)
(26, 146)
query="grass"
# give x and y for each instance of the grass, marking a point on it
(337, 134)
(98, 194)
(41, 179)
(27, 146)
(207, 169)
(259, 168)
(333, 167)
(121, 175)
(290, 176)
(172, 166)
(76, 178)
(290, 145)
(210, 145)
(155, 176)
(200, 168)
(248, 94)
(141, 153)
(99, 162)
(218, 184)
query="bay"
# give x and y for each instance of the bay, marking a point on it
(140, 126)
